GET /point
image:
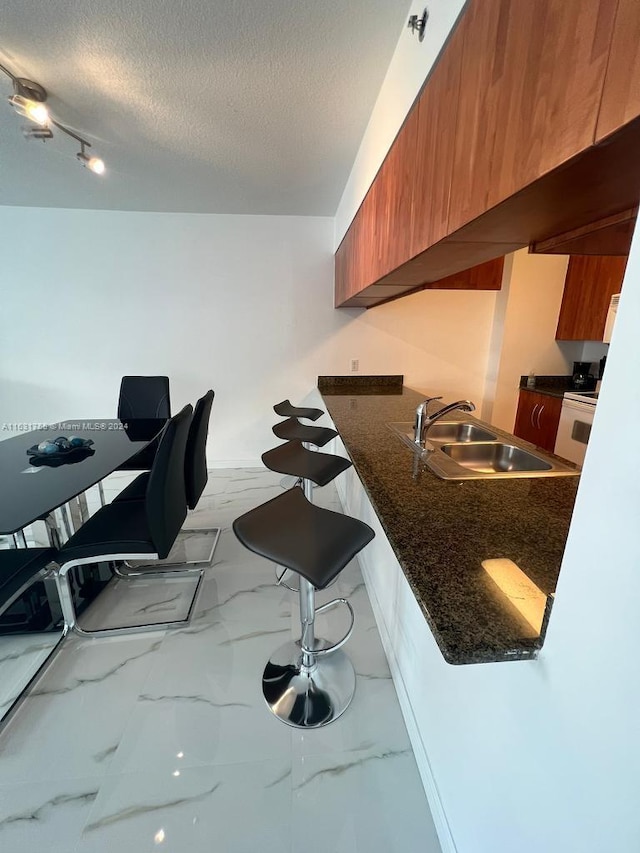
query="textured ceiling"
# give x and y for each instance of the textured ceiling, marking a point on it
(222, 107)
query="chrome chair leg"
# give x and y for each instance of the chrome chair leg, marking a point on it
(19, 539)
(69, 611)
(53, 532)
(79, 511)
(66, 522)
(179, 558)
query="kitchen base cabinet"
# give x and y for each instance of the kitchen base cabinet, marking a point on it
(537, 418)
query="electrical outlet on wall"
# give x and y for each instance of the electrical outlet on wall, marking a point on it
(355, 365)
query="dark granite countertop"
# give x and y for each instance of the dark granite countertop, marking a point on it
(361, 385)
(553, 386)
(442, 530)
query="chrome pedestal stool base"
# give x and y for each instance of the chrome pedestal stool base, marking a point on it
(308, 683)
(308, 697)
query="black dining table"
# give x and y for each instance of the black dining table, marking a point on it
(31, 489)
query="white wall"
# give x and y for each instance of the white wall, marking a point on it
(409, 67)
(242, 304)
(445, 337)
(524, 329)
(540, 755)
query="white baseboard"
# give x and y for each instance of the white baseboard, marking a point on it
(235, 463)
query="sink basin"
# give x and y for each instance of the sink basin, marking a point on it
(456, 431)
(495, 458)
(469, 450)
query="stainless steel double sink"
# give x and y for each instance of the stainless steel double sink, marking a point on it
(468, 450)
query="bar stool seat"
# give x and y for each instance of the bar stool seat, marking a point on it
(306, 684)
(286, 410)
(291, 430)
(293, 458)
(304, 468)
(316, 543)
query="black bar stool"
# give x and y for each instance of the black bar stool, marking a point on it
(305, 468)
(309, 466)
(286, 410)
(305, 685)
(292, 430)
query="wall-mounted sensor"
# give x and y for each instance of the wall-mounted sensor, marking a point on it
(418, 24)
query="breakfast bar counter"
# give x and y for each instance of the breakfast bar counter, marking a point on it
(442, 531)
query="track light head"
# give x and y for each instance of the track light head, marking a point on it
(28, 100)
(32, 110)
(42, 133)
(94, 163)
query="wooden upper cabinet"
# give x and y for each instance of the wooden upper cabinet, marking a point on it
(621, 95)
(436, 110)
(499, 150)
(363, 252)
(350, 261)
(486, 276)
(394, 200)
(589, 285)
(530, 87)
(343, 259)
(355, 261)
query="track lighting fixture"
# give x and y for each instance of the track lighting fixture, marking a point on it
(94, 163)
(29, 100)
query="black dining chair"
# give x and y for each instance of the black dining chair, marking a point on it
(143, 398)
(195, 545)
(144, 528)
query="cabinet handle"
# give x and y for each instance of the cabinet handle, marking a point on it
(531, 416)
(540, 414)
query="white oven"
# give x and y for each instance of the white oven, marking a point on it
(574, 428)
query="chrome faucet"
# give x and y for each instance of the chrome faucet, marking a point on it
(424, 421)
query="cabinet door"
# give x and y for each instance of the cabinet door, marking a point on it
(354, 260)
(437, 110)
(525, 426)
(590, 282)
(547, 418)
(343, 262)
(621, 95)
(364, 246)
(537, 418)
(530, 87)
(394, 195)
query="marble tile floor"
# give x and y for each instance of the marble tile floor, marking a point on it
(162, 741)
(20, 657)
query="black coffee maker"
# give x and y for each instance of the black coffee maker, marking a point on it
(583, 379)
